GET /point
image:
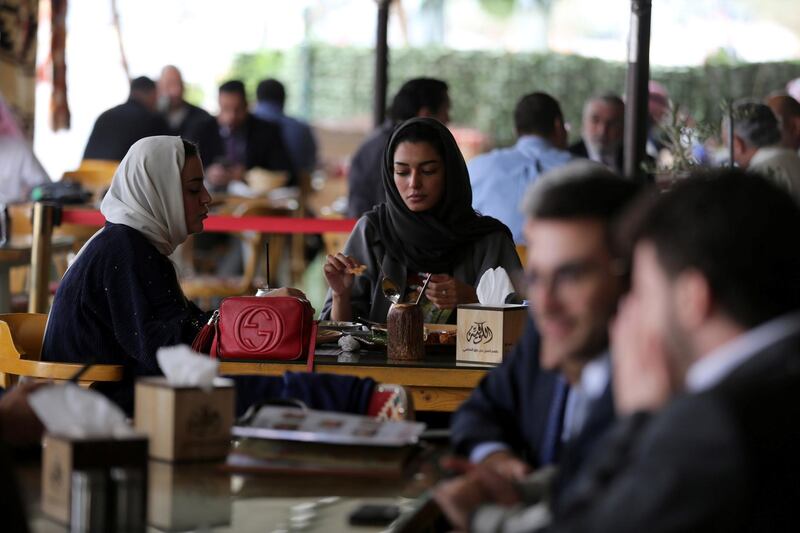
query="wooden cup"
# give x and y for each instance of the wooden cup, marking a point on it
(406, 332)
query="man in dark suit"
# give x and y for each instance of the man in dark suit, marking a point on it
(244, 141)
(116, 130)
(550, 399)
(184, 119)
(601, 131)
(709, 343)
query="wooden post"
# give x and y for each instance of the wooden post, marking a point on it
(636, 90)
(381, 62)
(41, 256)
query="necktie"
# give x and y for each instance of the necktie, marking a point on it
(555, 421)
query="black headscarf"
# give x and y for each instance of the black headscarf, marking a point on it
(430, 241)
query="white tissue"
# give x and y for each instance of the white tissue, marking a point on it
(75, 412)
(494, 287)
(240, 188)
(186, 368)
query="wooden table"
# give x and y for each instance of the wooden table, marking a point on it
(437, 383)
(198, 496)
(18, 253)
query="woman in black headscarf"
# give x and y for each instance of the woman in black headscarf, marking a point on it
(427, 225)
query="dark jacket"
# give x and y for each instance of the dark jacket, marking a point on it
(512, 405)
(117, 129)
(365, 188)
(118, 303)
(579, 149)
(722, 460)
(201, 128)
(264, 147)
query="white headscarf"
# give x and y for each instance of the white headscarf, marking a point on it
(146, 193)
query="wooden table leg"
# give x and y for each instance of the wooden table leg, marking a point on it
(5, 288)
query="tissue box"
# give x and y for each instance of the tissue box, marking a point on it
(61, 456)
(487, 332)
(185, 423)
(188, 497)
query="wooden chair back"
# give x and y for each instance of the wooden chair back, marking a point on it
(254, 242)
(93, 174)
(522, 252)
(204, 288)
(21, 337)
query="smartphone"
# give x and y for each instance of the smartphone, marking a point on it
(374, 515)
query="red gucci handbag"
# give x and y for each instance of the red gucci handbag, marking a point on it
(254, 328)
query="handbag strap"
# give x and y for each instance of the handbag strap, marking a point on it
(312, 347)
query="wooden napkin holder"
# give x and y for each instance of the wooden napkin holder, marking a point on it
(486, 333)
(61, 456)
(185, 423)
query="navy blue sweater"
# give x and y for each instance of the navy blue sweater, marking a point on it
(118, 303)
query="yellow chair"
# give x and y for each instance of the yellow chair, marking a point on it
(204, 288)
(522, 252)
(93, 174)
(21, 337)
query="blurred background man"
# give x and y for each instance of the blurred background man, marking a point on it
(757, 146)
(787, 109)
(501, 177)
(116, 130)
(245, 141)
(602, 127)
(184, 119)
(297, 135)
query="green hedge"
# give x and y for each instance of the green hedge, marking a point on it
(484, 86)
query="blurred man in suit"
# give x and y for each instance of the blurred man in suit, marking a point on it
(757, 146)
(550, 399)
(601, 131)
(116, 130)
(297, 135)
(244, 141)
(708, 341)
(184, 119)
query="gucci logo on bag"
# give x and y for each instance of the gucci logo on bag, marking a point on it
(258, 329)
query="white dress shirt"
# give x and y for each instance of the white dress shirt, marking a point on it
(594, 380)
(712, 368)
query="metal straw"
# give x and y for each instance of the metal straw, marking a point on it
(422, 290)
(266, 253)
(80, 372)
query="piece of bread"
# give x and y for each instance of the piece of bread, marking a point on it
(356, 270)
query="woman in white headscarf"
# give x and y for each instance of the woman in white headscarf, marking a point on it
(120, 300)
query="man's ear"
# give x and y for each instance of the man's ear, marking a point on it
(794, 127)
(560, 134)
(694, 301)
(739, 146)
